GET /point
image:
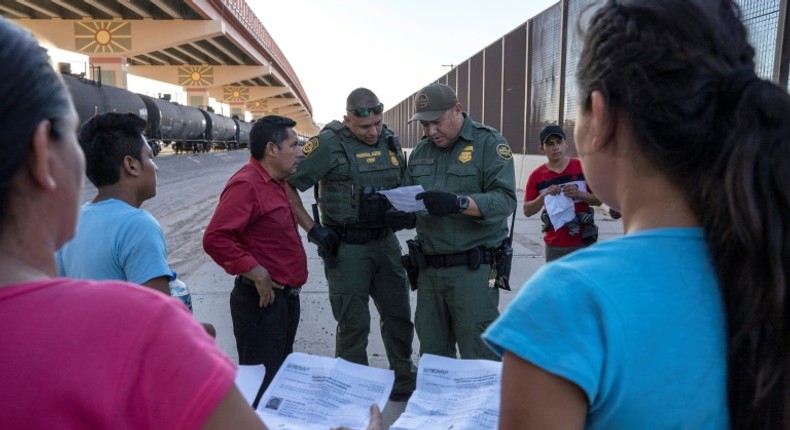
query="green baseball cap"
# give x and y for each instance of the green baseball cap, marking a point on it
(433, 101)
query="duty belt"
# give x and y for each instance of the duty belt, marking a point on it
(355, 234)
(472, 258)
(288, 290)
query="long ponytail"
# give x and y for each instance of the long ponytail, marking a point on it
(745, 210)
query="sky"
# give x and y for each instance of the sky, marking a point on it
(392, 47)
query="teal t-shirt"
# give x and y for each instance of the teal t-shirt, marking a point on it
(636, 322)
(115, 241)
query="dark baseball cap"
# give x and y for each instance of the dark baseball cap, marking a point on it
(550, 130)
(433, 101)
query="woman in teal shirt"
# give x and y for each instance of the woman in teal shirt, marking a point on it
(681, 323)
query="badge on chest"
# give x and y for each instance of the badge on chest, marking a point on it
(466, 154)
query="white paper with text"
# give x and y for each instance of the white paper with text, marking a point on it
(453, 393)
(320, 392)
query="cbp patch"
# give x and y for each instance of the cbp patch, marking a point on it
(504, 152)
(310, 146)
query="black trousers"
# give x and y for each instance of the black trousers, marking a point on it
(263, 335)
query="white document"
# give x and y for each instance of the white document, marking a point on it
(453, 394)
(310, 391)
(403, 198)
(560, 208)
(249, 380)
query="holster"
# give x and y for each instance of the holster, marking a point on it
(327, 255)
(330, 262)
(503, 261)
(413, 261)
(412, 271)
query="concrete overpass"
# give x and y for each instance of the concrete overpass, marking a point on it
(211, 48)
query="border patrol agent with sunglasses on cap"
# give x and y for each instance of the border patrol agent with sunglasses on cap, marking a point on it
(467, 171)
(348, 162)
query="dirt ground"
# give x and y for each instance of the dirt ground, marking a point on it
(188, 191)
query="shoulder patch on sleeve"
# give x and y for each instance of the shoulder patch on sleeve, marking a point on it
(504, 152)
(310, 146)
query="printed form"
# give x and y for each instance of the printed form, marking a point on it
(453, 394)
(313, 392)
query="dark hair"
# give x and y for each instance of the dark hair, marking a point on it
(271, 128)
(682, 72)
(361, 98)
(107, 139)
(30, 92)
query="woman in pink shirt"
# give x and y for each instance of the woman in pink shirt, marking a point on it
(84, 354)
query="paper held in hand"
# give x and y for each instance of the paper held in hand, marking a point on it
(453, 394)
(402, 198)
(314, 392)
(561, 210)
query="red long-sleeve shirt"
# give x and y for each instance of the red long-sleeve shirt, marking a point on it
(253, 224)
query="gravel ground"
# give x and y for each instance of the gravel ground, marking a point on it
(188, 190)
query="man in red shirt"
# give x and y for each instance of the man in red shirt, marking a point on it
(253, 234)
(561, 175)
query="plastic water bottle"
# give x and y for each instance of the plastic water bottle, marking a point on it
(179, 290)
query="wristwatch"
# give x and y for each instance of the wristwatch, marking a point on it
(463, 203)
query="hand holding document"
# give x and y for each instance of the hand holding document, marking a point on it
(313, 392)
(453, 393)
(403, 198)
(560, 208)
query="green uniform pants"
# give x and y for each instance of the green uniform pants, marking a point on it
(455, 305)
(373, 270)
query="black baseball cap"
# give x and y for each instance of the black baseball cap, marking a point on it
(551, 130)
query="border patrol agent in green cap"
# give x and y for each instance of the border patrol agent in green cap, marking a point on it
(349, 162)
(467, 171)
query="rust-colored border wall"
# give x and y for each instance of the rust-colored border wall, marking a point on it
(527, 78)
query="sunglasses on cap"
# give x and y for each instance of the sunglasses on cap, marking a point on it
(365, 112)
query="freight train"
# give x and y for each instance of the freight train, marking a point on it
(186, 128)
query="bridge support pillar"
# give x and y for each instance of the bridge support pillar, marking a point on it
(113, 70)
(237, 108)
(197, 97)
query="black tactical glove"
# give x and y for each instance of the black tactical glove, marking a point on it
(325, 238)
(439, 203)
(399, 220)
